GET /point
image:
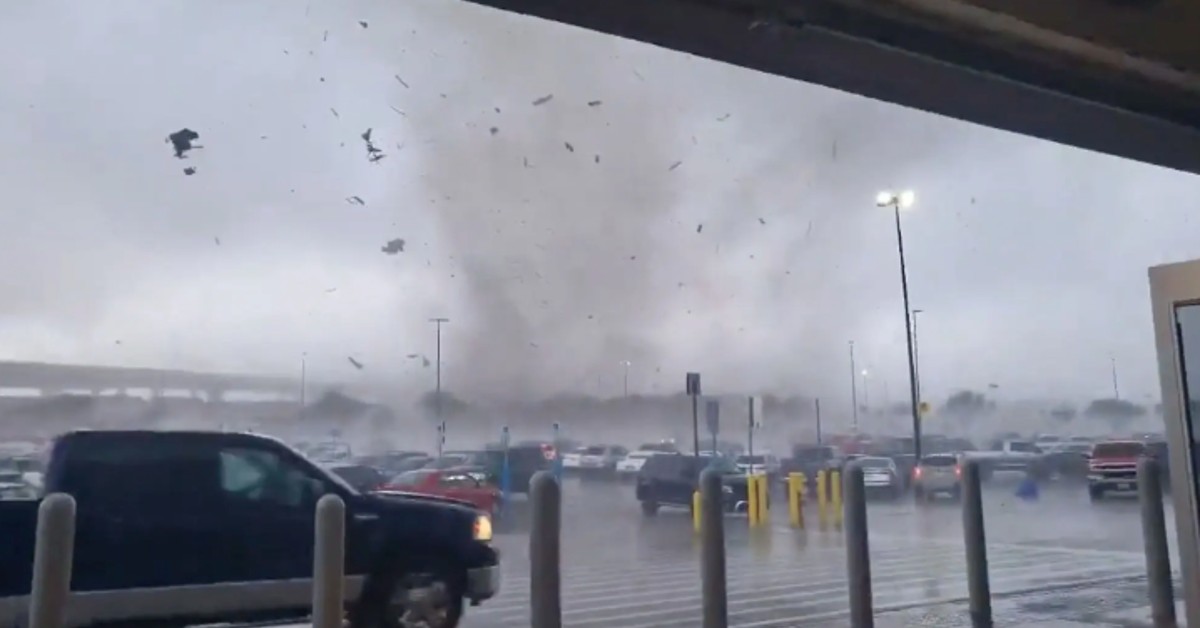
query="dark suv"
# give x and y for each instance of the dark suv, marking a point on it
(671, 480)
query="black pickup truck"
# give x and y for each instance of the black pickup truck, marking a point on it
(183, 528)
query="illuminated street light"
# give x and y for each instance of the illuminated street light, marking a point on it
(901, 200)
(898, 201)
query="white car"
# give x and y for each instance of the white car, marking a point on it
(572, 460)
(599, 457)
(763, 463)
(632, 462)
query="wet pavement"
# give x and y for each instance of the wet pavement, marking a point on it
(1059, 561)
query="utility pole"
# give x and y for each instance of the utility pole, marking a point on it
(303, 380)
(437, 394)
(853, 387)
(1116, 388)
(916, 354)
(626, 364)
(895, 201)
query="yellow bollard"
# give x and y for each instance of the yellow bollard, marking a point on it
(795, 489)
(764, 500)
(752, 499)
(697, 508)
(835, 490)
(822, 496)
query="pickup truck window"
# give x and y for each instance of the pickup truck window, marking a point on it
(1024, 448)
(253, 475)
(459, 480)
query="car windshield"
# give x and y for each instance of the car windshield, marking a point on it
(939, 461)
(1118, 450)
(594, 451)
(875, 463)
(751, 459)
(721, 464)
(410, 478)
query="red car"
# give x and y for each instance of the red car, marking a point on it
(468, 485)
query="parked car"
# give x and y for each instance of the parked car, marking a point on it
(880, 476)
(1010, 456)
(764, 463)
(1112, 467)
(810, 460)
(629, 466)
(672, 480)
(187, 517)
(393, 462)
(937, 474)
(364, 479)
(466, 484)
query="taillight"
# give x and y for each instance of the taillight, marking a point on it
(917, 472)
(958, 470)
(548, 452)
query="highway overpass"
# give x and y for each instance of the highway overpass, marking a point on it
(55, 378)
(1116, 76)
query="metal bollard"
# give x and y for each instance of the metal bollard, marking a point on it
(697, 511)
(329, 563)
(53, 555)
(975, 539)
(1154, 536)
(712, 559)
(545, 562)
(795, 488)
(858, 553)
(822, 497)
(835, 487)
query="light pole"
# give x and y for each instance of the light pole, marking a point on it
(303, 378)
(437, 393)
(866, 392)
(853, 387)
(1116, 388)
(896, 201)
(917, 355)
(626, 364)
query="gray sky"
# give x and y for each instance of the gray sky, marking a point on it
(554, 264)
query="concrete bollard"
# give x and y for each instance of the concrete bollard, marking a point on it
(545, 558)
(858, 552)
(1154, 538)
(329, 563)
(979, 589)
(795, 488)
(712, 559)
(53, 555)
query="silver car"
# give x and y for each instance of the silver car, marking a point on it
(938, 474)
(880, 476)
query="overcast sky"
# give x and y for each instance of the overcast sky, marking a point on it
(560, 238)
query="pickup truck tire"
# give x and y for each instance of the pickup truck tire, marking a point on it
(649, 508)
(1096, 493)
(381, 604)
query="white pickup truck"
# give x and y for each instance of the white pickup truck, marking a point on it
(1008, 456)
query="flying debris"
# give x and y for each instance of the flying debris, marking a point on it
(181, 141)
(189, 171)
(723, 118)
(397, 77)
(494, 130)
(335, 113)
(355, 363)
(594, 103)
(699, 227)
(761, 221)
(543, 100)
(597, 158)
(355, 200)
(569, 147)
(362, 23)
(374, 153)
(675, 165)
(217, 240)
(393, 246)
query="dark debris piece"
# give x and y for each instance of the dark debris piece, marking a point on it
(374, 153)
(355, 363)
(675, 165)
(543, 100)
(761, 221)
(397, 77)
(723, 118)
(189, 171)
(355, 200)
(699, 227)
(569, 147)
(494, 130)
(597, 158)
(393, 246)
(181, 141)
(362, 23)
(594, 103)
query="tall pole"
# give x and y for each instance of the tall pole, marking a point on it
(866, 393)
(437, 393)
(853, 386)
(908, 334)
(1116, 388)
(625, 363)
(303, 379)
(917, 354)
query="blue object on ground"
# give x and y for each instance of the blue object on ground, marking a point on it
(1027, 489)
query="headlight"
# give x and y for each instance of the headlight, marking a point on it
(483, 528)
(727, 490)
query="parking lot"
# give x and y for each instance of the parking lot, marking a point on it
(1058, 559)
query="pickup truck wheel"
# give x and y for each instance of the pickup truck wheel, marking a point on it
(649, 509)
(432, 600)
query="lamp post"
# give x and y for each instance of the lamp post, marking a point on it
(853, 387)
(626, 364)
(917, 354)
(898, 200)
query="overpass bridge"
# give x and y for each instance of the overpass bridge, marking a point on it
(1115, 76)
(52, 378)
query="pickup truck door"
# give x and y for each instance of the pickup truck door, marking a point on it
(269, 503)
